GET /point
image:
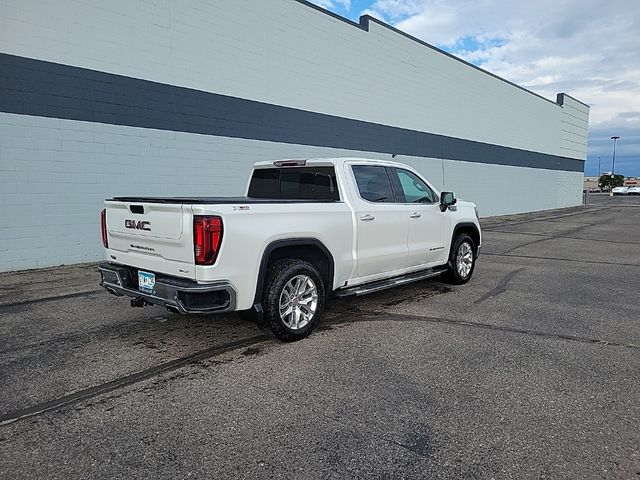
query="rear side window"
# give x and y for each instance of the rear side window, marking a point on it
(373, 183)
(304, 183)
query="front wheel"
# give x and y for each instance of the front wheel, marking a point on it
(293, 299)
(462, 260)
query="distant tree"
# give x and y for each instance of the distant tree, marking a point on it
(608, 181)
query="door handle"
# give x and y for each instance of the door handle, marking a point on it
(367, 218)
(415, 215)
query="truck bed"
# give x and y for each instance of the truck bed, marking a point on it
(214, 200)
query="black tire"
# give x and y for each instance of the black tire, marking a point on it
(454, 274)
(279, 274)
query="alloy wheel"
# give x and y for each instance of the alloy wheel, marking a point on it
(298, 302)
(464, 259)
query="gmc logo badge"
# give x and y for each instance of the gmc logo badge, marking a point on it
(138, 225)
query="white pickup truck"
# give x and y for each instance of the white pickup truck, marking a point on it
(305, 229)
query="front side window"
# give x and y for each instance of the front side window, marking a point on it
(412, 188)
(373, 183)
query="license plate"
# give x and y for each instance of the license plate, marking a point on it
(146, 281)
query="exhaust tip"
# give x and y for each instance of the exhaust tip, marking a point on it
(113, 292)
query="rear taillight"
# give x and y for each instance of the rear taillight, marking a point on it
(207, 237)
(103, 227)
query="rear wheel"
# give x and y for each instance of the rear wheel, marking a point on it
(293, 299)
(462, 260)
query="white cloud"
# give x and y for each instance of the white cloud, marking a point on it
(332, 4)
(394, 10)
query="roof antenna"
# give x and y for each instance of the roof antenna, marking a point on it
(393, 155)
(442, 160)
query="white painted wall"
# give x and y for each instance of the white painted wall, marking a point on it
(55, 174)
(286, 53)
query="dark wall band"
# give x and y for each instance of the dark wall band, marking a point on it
(35, 87)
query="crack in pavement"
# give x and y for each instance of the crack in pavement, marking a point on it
(555, 259)
(8, 306)
(366, 316)
(125, 327)
(492, 228)
(361, 316)
(526, 244)
(548, 236)
(500, 288)
(542, 219)
(131, 379)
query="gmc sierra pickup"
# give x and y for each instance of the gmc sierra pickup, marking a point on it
(305, 229)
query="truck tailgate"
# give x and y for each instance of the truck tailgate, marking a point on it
(154, 236)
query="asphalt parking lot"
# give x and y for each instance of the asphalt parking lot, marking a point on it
(530, 371)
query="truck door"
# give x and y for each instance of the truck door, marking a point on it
(381, 226)
(429, 228)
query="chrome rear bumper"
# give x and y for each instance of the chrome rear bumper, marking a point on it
(177, 294)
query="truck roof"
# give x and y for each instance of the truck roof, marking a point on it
(318, 161)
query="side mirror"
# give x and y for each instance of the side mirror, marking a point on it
(447, 199)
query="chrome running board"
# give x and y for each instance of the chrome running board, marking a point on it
(378, 285)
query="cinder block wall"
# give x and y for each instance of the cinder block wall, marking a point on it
(574, 127)
(109, 98)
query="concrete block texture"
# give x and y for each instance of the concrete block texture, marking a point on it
(99, 99)
(284, 52)
(574, 127)
(52, 218)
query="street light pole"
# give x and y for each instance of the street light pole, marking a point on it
(613, 165)
(599, 175)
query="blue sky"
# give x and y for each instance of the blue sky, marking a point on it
(589, 49)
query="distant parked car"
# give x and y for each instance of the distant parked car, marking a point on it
(633, 191)
(620, 190)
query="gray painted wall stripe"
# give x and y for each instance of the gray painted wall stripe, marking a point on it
(35, 87)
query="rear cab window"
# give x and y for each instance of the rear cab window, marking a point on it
(297, 183)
